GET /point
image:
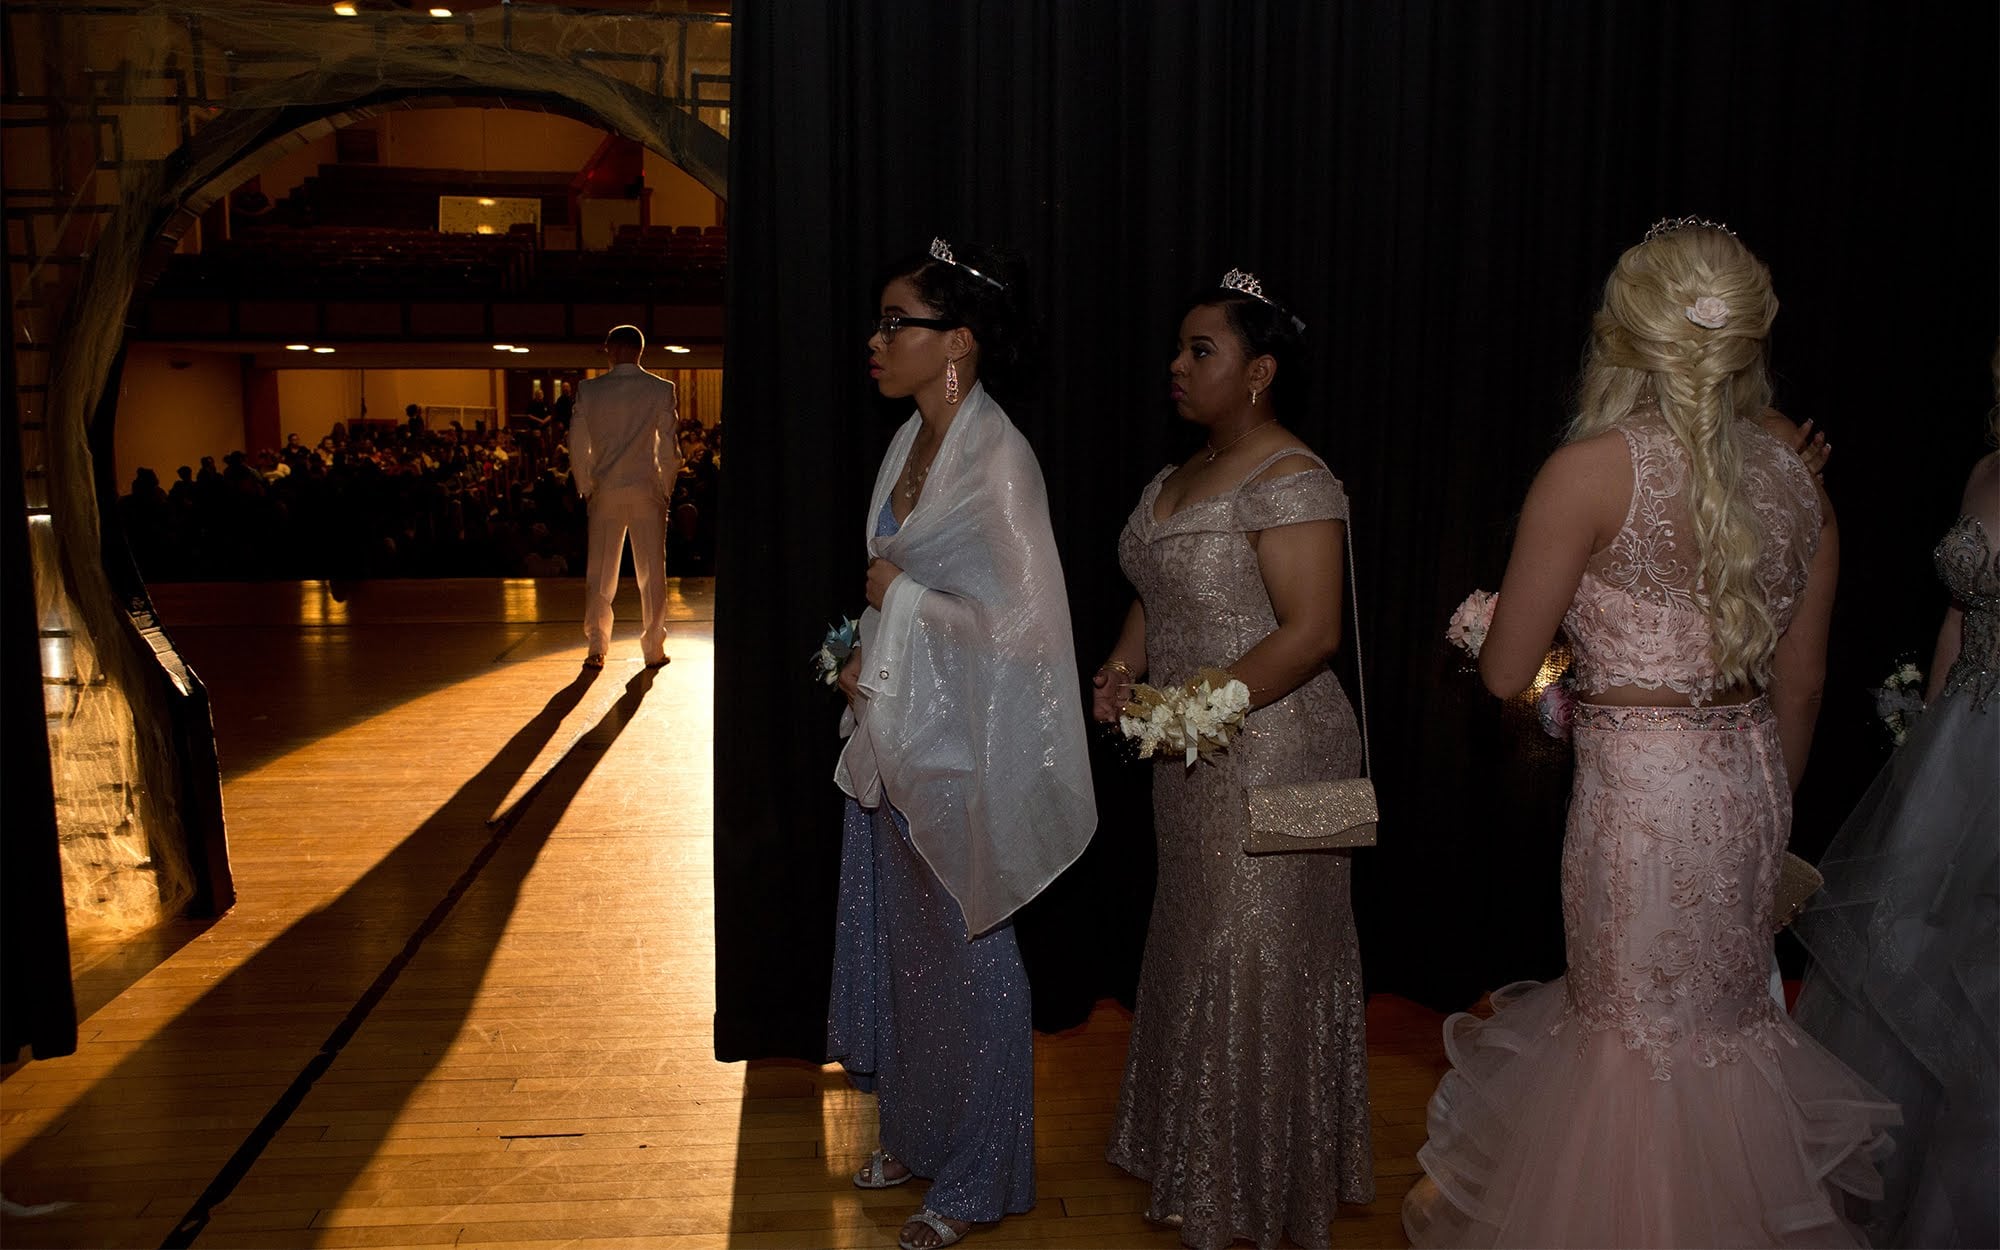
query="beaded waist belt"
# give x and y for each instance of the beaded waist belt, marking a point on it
(1729, 716)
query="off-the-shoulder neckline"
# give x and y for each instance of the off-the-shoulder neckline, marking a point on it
(1151, 498)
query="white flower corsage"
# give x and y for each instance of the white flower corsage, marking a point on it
(1470, 620)
(1195, 720)
(834, 649)
(1899, 700)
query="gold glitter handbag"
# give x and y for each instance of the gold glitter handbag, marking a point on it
(1798, 881)
(1318, 815)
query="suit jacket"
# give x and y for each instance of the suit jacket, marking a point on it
(622, 433)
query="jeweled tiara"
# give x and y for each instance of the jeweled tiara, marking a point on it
(941, 250)
(1667, 225)
(1247, 283)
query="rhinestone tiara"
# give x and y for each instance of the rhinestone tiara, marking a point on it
(1248, 284)
(1238, 280)
(941, 250)
(1667, 225)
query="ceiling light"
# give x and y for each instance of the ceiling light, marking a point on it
(440, 12)
(298, 347)
(503, 347)
(678, 350)
(322, 351)
(345, 10)
(487, 202)
(520, 351)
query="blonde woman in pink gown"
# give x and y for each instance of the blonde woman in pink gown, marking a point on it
(1656, 1095)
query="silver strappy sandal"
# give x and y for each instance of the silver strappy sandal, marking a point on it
(947, 1235)
(874, 1174)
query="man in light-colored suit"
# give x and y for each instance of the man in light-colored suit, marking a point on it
(623, 457)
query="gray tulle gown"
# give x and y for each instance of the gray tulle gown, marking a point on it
(938, 1028)
(1245, 1099)
(1905, 937)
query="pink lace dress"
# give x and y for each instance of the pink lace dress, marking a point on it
(1655, 1095)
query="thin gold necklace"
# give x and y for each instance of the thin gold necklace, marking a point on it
(911, 484)
(1213, 452)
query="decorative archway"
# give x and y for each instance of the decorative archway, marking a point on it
(202, 96)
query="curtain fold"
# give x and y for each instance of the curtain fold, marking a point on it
(1438, 190)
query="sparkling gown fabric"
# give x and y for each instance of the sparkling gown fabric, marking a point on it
(937, 1027)
(1245, 1100)
(972, 723)
(1905, 937)
(1655, 1095)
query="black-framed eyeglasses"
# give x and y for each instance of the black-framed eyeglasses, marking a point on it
(887, 326)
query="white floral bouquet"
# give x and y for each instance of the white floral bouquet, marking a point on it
(1470, 621)
(1197, 719)
(835, 648)
(1899, 700)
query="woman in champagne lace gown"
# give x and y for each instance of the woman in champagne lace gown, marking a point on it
(1245, 1100)
(1905, 934)
(1655, 1095)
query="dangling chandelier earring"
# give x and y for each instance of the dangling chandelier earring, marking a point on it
(951, 395)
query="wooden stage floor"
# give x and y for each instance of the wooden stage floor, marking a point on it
(464, 998)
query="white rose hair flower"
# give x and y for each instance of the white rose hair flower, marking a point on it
(1709, 312)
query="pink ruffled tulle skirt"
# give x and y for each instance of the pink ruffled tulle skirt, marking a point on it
(1542, 1137)
(1655, 1095)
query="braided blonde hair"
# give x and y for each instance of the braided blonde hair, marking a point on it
(1646, 342)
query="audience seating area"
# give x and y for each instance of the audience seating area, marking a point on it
(355, 260)
(406, 197)
(363, 231)
(669, 264)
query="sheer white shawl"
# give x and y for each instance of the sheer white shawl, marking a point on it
(972, 720)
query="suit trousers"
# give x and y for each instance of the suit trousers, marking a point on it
(639, 511)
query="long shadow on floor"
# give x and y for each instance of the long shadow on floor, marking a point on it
(225, 1075)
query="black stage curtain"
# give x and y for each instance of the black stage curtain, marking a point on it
(1438, 189)
(37, 1003)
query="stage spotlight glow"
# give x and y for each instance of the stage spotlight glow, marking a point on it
(298, 347)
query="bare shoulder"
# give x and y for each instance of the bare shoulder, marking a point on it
(1600, 459)
(1982, 490)
(1585, 485)
(1779, 426)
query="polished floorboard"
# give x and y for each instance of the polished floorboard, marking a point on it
(464, 998)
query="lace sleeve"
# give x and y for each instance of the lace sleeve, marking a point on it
(1786, 501)
(1314, 495)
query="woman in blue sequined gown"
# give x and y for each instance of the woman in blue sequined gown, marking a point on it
(1905, 934)
(966, 769)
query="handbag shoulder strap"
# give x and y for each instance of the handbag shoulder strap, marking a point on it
(1360, 669)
